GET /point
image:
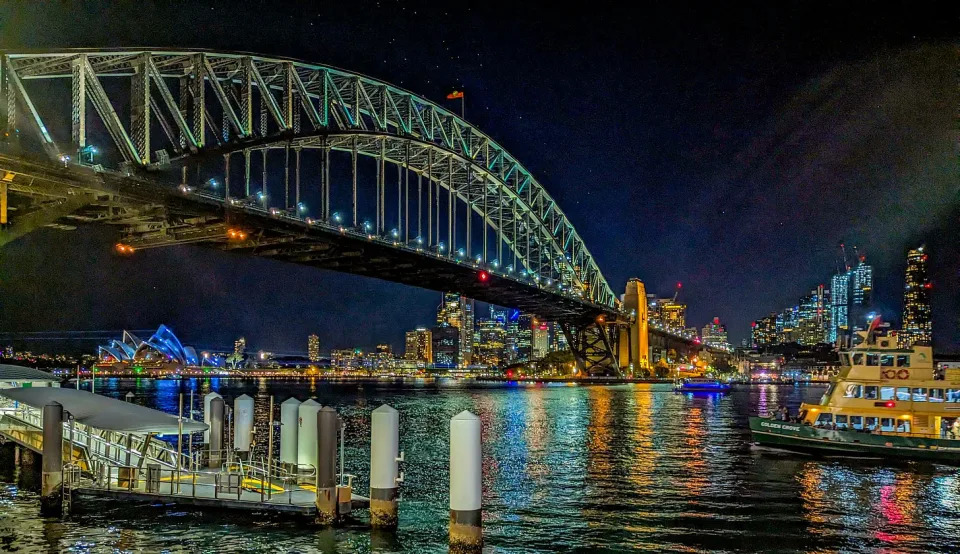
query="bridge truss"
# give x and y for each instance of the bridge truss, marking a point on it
(271, 136)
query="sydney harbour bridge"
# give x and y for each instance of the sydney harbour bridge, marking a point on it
(298, 162)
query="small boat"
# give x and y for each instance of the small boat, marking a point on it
(886, 402)
(701, 384)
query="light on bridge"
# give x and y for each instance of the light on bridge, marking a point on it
(124, 248)
(483, 276)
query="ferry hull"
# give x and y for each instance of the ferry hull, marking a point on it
(802, 438)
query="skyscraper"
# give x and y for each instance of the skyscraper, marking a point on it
(313, 348)
(419, 346)
(765, 331)
(917, 328)
(861, 296)
(839, 307)
(457, 311)
(539, 339)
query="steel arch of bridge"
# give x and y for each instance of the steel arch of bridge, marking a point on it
(207, 103)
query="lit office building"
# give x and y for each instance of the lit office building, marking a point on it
(457, 311)
(764, 331)
(839, 307)
(313, 348)
(419, 346)
(861, 296)
(522, 339)
(917, 328)
(347, 359)
(446, 346)
(539, 340)
(813, 318)
(492, 346)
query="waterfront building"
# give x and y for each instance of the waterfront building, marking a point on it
(239, 347)
(419, 346)
(313, 348)
(714, 334)
(347, 359)
(446, 347)
(917, 327)
(162, 352)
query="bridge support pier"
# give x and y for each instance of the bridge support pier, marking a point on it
(594, 347)
(51, 491)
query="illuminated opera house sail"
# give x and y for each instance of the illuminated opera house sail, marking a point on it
(162, 350)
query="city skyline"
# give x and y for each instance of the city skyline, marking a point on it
(732, 239)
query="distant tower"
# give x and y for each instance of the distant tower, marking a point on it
(313, 348)
(635, 346)
(917, 328)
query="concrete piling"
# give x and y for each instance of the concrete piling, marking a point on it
(307, 433)
(327, 426)
(207, 398)
(242, 423)
(215, 440)
(51, 492)
(384, 466)
(289, 427)
(466, 531)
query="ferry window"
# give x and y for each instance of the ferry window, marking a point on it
(886, 424)
(903, 425)
(936, 395)
(886, 360)
(845, 359)
(858, 359)
(873, 359)
(870, 392)
(953, 395)
(841, 421)
(903, 393)
(886, 393)
(856, 422)
(825, 419)
(853, 391)
(870, 423)
(903, 360)
(919, 395)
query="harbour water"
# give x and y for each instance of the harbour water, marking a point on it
(566, 468)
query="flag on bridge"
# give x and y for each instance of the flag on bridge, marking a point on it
(455, 94)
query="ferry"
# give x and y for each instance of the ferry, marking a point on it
(885, 402)
(701, 384)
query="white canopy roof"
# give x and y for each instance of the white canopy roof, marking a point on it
(20, 373)
(103, 412)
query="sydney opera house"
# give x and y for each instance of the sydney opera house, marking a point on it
(161, 352)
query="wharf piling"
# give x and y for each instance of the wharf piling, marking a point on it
(51, 491)
(384, 466)
(466, 514)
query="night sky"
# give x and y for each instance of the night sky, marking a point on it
(731, 149)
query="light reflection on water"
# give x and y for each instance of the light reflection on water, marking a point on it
(565, 468)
